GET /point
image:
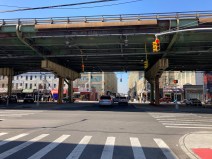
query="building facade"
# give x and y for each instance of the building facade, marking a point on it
(100, 82)
(139, 88)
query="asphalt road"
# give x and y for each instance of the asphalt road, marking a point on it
(87, 131)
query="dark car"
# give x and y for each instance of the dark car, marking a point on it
(194, 102)
(28, 99)
(13, 99)
(123, 100)
(3, 100)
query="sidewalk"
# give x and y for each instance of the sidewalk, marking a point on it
(197, 145)
(172, 107)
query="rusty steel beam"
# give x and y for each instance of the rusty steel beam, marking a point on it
(95, 24)
(205, 20)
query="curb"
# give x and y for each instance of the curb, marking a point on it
(188, 152)
(200, 141)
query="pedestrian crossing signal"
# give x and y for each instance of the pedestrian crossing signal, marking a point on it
(146, 64)
(175, 81)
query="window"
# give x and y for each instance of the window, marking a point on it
(49, 77)
(55, 85)
(30, 86)
(21, 76)
(40, 77)
(20, 84)
(35, 77)
(30, 77)
(26, 85)
(16, 86)
(3, 85)
(35, 85)
(17, 77)
(26, 77)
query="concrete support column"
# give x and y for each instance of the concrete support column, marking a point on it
(157, 91)
(9, 88)
(60, 90)
(152, 93)
(70, 91)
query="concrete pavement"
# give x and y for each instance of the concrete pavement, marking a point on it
(197, 145)
(138, 124)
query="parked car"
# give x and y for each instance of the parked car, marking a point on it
(165, 99)
(184, 101)
(3, 100)
(28, 99)
(116, 99)
(105, 100)
(194, 102)
(123, 100)
(208, 101)
(13, 99)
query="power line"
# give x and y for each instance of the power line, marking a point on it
(103, 5)
(56, 6)
(133, 1)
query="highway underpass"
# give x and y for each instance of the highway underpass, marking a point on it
(67, 46)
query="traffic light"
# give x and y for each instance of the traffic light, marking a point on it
(146, 64)
(83, 67)
(156, 45)
(175, 81)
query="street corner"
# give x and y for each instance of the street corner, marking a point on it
(197, 145)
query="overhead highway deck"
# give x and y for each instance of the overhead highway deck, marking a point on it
(107, 43)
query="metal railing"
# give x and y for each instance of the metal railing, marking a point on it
(108, 18)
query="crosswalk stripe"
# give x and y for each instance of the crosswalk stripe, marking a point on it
(165, 149)
(173, 124)
(137, 149)
(1, 134)
(12, 139)
(22, 146)
(108, 148)
(188, 127)
(49, 147)
(75, 154)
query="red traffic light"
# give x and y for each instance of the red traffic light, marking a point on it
(157, 41)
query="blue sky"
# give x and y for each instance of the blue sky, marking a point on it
(144, 6)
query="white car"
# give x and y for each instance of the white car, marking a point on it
(106, 100)
(123, 100)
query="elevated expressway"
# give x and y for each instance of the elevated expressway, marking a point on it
(107, 43)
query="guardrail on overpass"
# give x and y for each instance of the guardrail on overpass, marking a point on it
(109, 18)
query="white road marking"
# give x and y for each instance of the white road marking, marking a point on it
(22, 146)
(165, 149)
(181, 119)
(49, 147)
(108, 148)
(188, 127)
(168, 124)
(1, 134)
(15, 114)
(75, 154)
(12, 139)
(137, 149)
